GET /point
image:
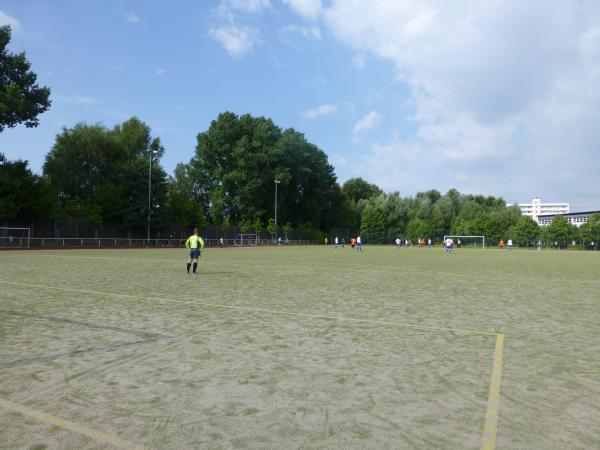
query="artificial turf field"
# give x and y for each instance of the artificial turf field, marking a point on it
(304, 347)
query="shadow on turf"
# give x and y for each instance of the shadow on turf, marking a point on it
(149, 337)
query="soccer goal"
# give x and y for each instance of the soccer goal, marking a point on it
(467, 241)
(246, 239)
(14, 237)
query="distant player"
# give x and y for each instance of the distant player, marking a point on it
(398, 243)
(429, 243)
(325, 242)
(337, 241)
(221, 242)
(194, 243)
(501, 244)
(358, 243)
(448, 243)
(509, 245)
(353, 243)
(459, 244)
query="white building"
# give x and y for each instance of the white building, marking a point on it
(576, 219)
(536, 208)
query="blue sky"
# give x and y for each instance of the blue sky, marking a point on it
(499, 97)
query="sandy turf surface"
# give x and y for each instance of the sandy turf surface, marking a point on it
(257, 351)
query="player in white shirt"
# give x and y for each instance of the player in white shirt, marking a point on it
(448, 242)
(337, 241)
(398, 241)
(429, 243)
(509, 245)
(358, 244)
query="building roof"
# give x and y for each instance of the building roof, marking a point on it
(570, 214)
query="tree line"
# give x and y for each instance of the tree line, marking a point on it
(99, 175)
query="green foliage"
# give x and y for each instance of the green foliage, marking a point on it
(526, 230)
(257, 225)
(419, 229)
(432, 215)
(590, 231)
(309, 231)
(102, 175)
(373, 224)
(238, 159)
(23, 195)
(287, 229)
(559, 231)
(246, 225)
(21, 99)
(271, 229)
(356, 189)
(183, 206)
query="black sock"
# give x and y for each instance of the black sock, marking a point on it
(188, 267)
(195, 265)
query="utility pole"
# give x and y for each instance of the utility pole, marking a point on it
(276, 230)
(150, 153)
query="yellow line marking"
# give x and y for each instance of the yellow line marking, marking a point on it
(268, 311)
(491, 415)
(71, 426)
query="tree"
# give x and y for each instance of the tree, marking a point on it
(287, 229)
(257, 225)
(184, 208)
(271, 228)
(373, 224)
(559, 231)
(21, 99)
(23, 195)
(419, 228)
(590, 231)
(356, 189)
(237, 161)
(524, 231)
(102, 175)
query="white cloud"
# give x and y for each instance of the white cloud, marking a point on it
(237, 40)
(75, 99)
(5, 19)
(359, 60)
(502, 83)
(311, 32)
(321, 110)
(132, 18)
(309, 9)
(371, 120)
(227, 8)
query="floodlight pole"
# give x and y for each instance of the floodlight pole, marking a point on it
(150, 153)
(276, 183)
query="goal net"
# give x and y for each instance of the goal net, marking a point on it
(246, 239)
(14, 237)
(467, 241)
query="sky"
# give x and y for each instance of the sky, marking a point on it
(500, 97)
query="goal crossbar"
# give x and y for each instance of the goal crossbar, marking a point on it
(15, 237)
(246, 239)
(454, 236)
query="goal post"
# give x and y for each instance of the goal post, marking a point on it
(246, 239)
(13, 237)
(467, 241)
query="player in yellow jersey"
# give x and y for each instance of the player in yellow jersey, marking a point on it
(195, 244)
